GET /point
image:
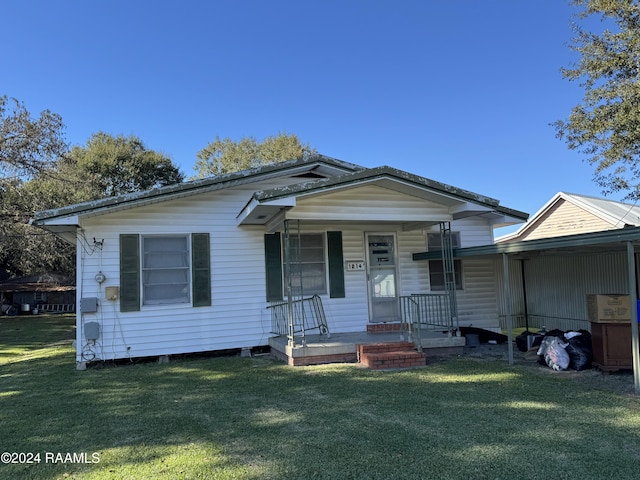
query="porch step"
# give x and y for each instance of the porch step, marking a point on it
(379, 356)
(384, 327)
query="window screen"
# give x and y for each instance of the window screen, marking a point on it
(165, 270)
(308, 269)
(436, 268)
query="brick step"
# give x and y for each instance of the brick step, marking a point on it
(378, 356)
(384, 327)
(384, 347)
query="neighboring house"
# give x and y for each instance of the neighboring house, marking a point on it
(43, 292)
(571, 214)
(196, 266)
(574, 246)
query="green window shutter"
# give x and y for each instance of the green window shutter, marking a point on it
(201, 269)
(273, 267)
(129, 273)
(336, 265)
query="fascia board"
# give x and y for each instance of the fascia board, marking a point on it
(534, 218)
(584, 240)
(56, 221)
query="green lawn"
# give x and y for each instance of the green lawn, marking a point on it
(255, 418)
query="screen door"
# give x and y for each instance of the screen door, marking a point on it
(383, 277)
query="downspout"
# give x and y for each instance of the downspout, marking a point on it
(80, 362)
(524, 295)
(633, 293)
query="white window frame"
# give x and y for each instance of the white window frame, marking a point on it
(147, 271)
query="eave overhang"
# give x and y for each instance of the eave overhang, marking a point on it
(319, 164)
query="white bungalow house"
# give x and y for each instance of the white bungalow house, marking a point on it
(228, 262)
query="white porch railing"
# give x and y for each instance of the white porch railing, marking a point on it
(426, 311)
(307, 315)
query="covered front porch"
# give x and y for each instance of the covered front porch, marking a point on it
(426, 326)
(343, 347)
(342, 248)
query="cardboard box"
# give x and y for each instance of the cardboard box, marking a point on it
(609, 308)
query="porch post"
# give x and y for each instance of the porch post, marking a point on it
(507, 296)
(634, 315)
(287, 281)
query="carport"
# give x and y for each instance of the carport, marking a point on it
(623, 241)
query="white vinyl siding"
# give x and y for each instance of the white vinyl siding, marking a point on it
(237, 316)
(477, 304)
(355, 205)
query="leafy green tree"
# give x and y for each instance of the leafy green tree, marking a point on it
(106, 166)
(224, 156)
(25, 249)
(605, 126)
(28, 145)
(114, 165)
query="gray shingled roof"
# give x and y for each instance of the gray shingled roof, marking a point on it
(352, 174)
(191, 188)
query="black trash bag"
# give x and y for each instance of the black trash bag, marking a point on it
(553, 350)
(580, 349)
(522, 340)
(556, 332)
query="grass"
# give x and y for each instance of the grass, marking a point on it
(255, 418)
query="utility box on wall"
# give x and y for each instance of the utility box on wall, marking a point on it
(92, 331)
(112, 293)
(89, 305)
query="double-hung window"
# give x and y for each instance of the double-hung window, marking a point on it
(436, 267)
(315, 260)
(165, 270)
(307, 263)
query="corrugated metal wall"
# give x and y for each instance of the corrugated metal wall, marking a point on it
(557, 285)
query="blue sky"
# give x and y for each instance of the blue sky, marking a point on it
(459, 91)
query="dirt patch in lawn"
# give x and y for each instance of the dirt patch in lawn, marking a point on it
(621, 381)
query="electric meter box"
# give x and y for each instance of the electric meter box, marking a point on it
(92, 331)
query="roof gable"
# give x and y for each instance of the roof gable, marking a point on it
(396, 179)
(458, 203)
(570, 214)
